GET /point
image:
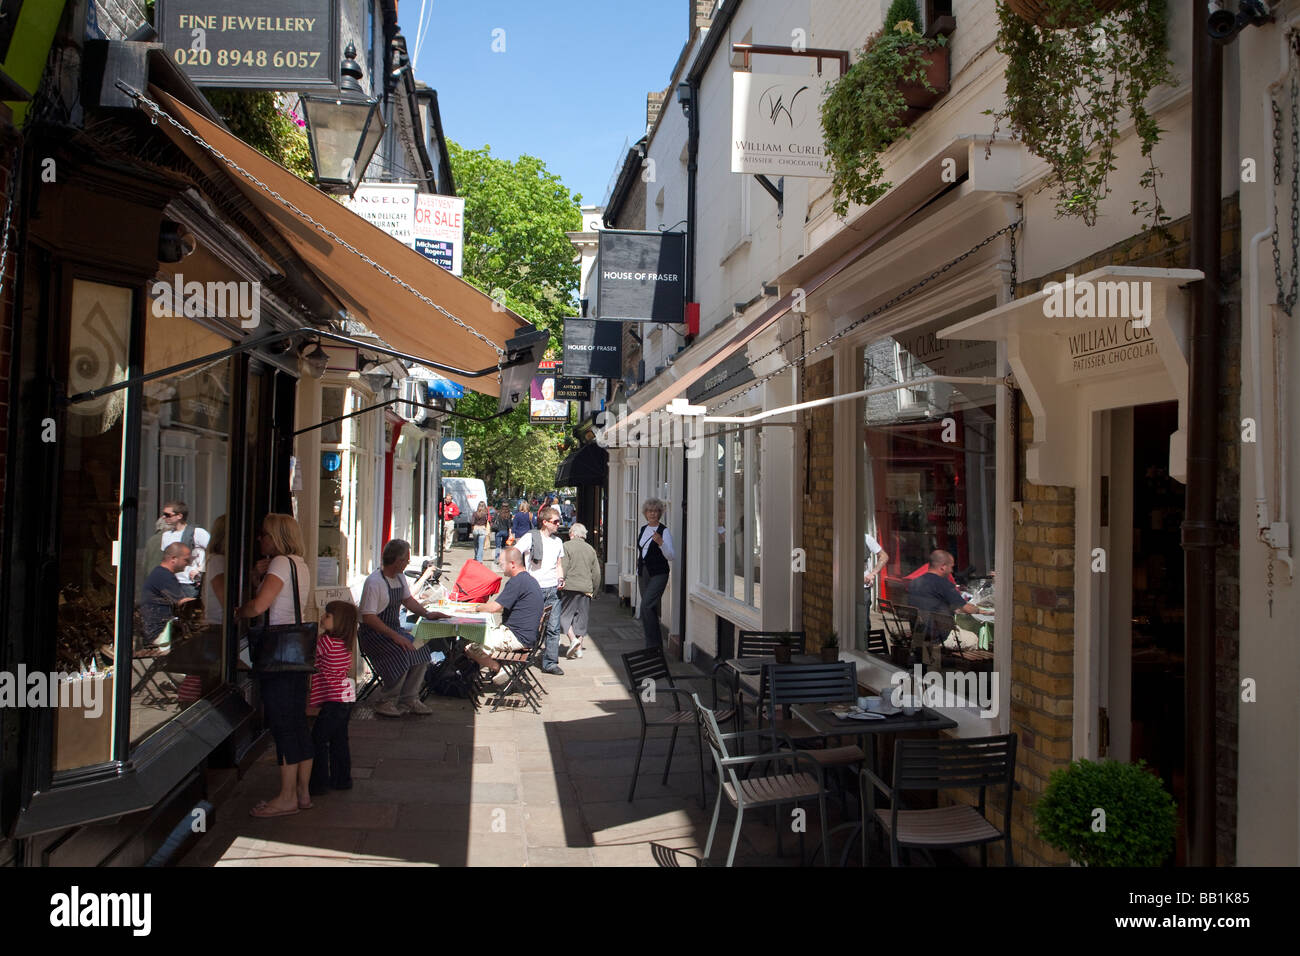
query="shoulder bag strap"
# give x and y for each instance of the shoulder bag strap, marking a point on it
(297, 608)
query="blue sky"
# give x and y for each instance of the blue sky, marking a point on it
(570, 86)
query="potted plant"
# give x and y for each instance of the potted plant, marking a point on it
(783, 649)
(1069, 90)
(898, 75)
(1108, 814)
(831, 648)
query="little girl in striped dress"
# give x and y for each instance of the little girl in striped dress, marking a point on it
(334, 692)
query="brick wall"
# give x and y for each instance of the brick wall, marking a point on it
(654, 105)
(1043, 632)
(816, 533)
(701, 15)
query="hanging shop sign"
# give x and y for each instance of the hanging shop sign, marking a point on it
(593, 348)
(453, 454)
(729, 374)
(641, 276)
(573, 389)
(544, 407)
(390, 206)
(440, 230)
(235, 43)
(776, 125)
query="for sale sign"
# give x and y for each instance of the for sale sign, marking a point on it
(440, 230)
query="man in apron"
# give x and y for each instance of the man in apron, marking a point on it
(392, 651)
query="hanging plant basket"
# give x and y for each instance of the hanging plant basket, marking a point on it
(1050, 16)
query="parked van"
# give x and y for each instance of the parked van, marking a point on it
(467, 493)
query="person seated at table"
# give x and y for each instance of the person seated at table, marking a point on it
(933, 591)
(391, 650)
(161, 595)
(519, 602)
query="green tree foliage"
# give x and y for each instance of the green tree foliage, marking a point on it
(508, 453)
(516, 217)
(254, 117)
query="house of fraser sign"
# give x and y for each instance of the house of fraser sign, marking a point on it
(288, 45)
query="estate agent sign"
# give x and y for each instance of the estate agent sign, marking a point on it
(641, 276)
(440, 230)
(287, 45)
(776, 125)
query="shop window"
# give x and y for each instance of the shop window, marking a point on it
(89, 533)
(178, 642)
(928, 479)
(738, 542)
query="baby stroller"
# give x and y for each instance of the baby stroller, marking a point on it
(475, 583)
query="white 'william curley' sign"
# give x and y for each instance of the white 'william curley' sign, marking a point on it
(776, 125)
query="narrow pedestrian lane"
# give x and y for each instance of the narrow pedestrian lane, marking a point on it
(509, 788)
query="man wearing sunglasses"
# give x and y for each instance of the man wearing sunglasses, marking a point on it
(542, 550)
(179, 531)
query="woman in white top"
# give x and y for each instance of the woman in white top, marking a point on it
(284, 695)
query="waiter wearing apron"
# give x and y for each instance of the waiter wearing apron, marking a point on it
(392, 651)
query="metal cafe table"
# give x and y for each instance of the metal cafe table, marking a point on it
(823, 720)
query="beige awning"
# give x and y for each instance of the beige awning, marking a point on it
(392, 312)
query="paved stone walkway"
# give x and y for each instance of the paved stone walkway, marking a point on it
(510, 788)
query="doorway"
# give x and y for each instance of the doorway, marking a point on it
(1145, 510)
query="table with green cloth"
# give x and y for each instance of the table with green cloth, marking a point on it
(468, 625)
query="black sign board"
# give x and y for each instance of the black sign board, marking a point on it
(593, 348)
(287, 45)
(573, 389)
(729, 374)
(641, 276)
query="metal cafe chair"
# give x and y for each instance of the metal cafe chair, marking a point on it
(763, 644)
(795, 778)
(651, 665)
(939, 765)
(518, 664)
(899, 634)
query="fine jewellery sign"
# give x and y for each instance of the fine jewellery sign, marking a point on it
(236, 43)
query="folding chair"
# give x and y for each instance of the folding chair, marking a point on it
(374, 677)
(517, 665)
(153, 666)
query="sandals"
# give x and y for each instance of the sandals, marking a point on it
(263, 809)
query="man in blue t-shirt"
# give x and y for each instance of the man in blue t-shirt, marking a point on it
(161, 593)
(930, 592)
(519, 602)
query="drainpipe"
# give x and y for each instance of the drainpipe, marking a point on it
(1200, 528)
(692, 166)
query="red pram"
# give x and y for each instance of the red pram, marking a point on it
(476, 582)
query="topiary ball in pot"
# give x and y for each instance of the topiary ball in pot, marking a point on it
(1136, 825)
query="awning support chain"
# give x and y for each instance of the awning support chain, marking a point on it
(866, 318)
(156, 112)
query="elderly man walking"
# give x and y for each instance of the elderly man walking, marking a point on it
(582, 578)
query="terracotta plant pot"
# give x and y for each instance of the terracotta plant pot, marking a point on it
(919, 100)
(782, 653)
(830, 655)
(1036, 12)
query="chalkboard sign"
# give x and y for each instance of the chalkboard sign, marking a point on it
(286, 46)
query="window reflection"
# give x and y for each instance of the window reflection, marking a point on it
(91, 447)
(184, 495)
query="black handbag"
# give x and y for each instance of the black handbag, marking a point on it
(284, 648)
